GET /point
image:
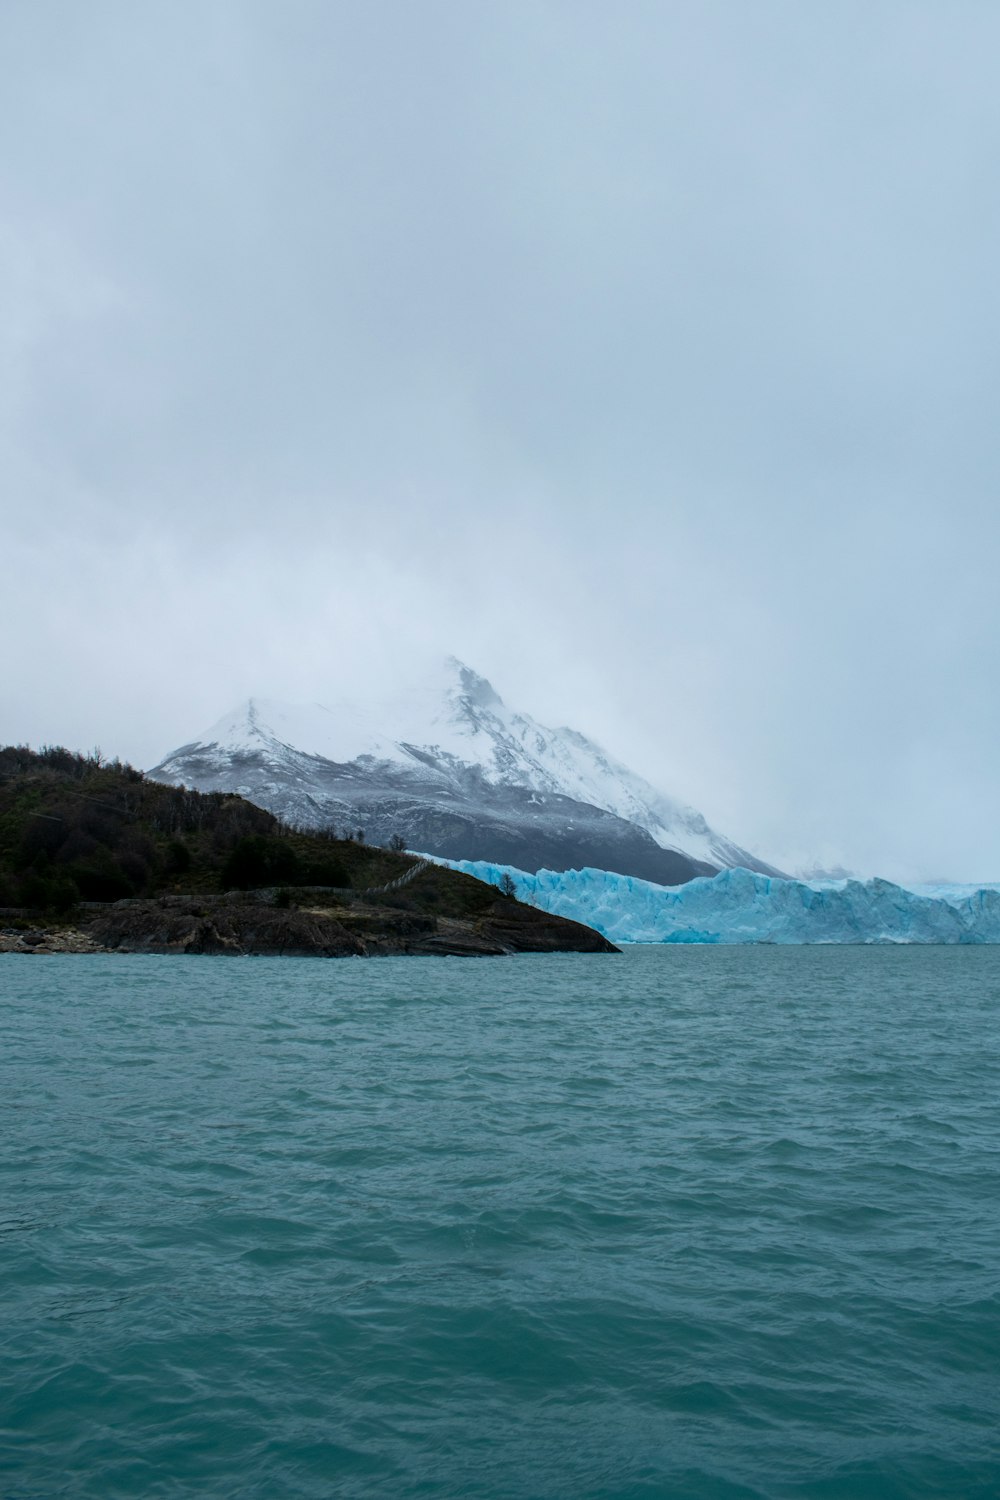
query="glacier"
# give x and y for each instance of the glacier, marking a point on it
(744, 906)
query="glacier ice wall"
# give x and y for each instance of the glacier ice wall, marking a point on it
(741, 906)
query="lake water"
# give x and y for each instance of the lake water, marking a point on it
(682, 1223)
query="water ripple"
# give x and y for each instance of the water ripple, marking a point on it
(689, 1223)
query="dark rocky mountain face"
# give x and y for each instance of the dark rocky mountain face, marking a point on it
(455, 816)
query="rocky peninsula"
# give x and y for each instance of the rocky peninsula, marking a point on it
(95, 858)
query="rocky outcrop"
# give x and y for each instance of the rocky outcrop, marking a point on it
(48, 940)
(240, 925)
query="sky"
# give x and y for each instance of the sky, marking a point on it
(646, 357)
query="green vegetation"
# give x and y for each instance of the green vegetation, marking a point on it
(77, 835)
(75, 828)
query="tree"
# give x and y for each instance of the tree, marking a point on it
(178, 857)
(397, 843)
(257, 860)
(507, 885)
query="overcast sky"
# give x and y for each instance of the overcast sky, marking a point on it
(646, 356)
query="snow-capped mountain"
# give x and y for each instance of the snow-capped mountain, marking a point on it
(455, 772)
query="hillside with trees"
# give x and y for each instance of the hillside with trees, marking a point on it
(77, 828)
(140, 866)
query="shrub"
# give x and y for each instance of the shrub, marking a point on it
(63, 894)
(34, 890)
(178, 858)
(324, 872)
(47, 893)
(42, 835)
(101, 882)
(259, 860)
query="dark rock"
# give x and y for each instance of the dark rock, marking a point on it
(458, 816)
(218, 925)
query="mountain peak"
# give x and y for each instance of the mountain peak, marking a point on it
(477, 689)
(444, 743)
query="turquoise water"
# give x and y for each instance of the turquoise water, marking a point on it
(687, 1222)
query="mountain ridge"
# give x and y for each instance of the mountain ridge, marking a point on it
(449, 767)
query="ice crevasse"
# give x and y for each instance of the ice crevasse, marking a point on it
(741, 906)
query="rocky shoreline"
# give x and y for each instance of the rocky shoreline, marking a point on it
(48, 940)
(242, 925)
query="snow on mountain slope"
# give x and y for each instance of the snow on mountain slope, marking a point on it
(446, 726)
(740, 906)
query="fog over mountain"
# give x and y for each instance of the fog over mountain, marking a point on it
(642, 356)
(454, 772)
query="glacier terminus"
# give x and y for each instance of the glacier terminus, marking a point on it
(743, 906)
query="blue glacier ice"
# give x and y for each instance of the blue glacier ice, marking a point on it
(741, 906)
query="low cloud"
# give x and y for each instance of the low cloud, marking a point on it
(646, 362)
